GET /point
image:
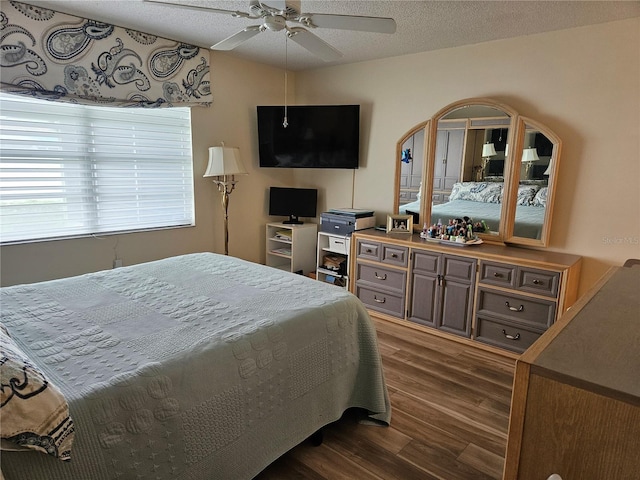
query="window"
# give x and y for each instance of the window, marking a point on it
(72, 170)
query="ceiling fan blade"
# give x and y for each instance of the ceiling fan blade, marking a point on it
(236, 39)
(352, 22)
(233, 13)
(314, 44)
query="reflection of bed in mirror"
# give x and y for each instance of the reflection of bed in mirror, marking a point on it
(410, 208)
(481, 201)
(529, 218)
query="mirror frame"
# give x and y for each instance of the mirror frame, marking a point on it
(517, 127)
(396, 201)
(514, 180)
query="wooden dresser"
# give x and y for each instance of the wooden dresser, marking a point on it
(489, 295)
(575, 409)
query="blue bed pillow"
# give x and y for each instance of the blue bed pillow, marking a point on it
(526, 194)
(487, 192)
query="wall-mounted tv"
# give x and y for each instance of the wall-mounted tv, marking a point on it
(293, 203)
(316, 136)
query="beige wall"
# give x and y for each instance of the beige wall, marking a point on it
(583, 83)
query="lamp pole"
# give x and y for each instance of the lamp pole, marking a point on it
(225, 187)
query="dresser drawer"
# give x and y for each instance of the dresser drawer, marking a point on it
(542, 282)
(381, 277)
(394, 255)
(424, 262)
(500, 274)
(459, 268)
(536, 312)
(390, 303)
(504, 334)
(368, 250)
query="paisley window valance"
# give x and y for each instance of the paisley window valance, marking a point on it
(55, 56)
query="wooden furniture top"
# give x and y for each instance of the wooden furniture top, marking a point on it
(596, 345)
(485, 251)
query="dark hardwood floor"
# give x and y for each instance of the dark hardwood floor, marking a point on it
(450, 412)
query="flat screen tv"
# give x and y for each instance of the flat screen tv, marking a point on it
(293, 203)
(316, 136)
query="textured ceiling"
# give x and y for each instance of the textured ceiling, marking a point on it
(421, 26)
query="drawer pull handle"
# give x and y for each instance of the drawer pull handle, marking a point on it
(376, 299)
(537, 282)
(394, 255)
(368, 250)
(510, 337)
(497, 275)
(514, 309)
(337, 227)
(383, 277)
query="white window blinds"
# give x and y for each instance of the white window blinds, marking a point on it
(72, 170)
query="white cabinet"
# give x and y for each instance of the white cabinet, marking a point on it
(332, 261)
(411, 167)
(292, 247)
(446, 169)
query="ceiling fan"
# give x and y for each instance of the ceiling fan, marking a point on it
(276, 16)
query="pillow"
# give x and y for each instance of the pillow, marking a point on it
(487, 192)
(540, 200)
(33, 412)
(526, 194)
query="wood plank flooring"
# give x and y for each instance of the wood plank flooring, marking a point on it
(450, 412)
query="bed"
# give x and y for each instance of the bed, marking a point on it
(200, 366)
(482, 201)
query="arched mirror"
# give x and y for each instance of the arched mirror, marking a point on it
(468, 154)
(484, 162)
(534, 174)
(411, 154)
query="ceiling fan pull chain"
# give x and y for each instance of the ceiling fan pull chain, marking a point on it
(285, 123)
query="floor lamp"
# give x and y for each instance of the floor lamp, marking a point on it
(224, 163)
(529, 155)
(488, 151)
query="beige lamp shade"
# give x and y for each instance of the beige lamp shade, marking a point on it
(530, 155)
(488, 150)
(548, 170)
(224, 161)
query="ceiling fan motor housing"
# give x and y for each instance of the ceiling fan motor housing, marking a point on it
(275, 23)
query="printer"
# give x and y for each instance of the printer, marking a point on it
(344, 221)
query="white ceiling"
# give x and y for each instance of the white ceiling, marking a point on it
(421, 25)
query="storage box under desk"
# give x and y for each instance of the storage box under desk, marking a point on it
(338, 245)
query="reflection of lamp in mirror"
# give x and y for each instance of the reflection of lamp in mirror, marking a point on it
(529, 155)
(224, 163)
(488, 151)
(547, 172)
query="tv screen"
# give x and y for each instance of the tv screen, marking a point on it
(317, 136)
(293, 203)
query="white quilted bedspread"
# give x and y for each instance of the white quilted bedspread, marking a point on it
(194, 367)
